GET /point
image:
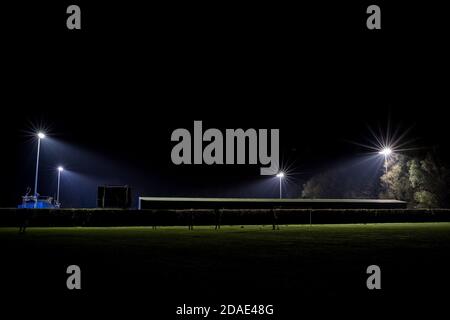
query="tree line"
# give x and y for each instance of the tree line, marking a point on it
(422, 181)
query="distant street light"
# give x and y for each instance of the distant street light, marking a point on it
(60, 169)
(386, 152)
(40, 136)
(280, 175)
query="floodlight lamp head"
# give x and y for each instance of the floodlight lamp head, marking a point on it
(60, 169)
(385, 151)
(41, 135)
(280, 175)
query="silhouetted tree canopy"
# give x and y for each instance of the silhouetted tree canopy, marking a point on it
(422, 182)
(430, 181)
(343, 182)
(395, 182)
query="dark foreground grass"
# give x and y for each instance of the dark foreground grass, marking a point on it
(233, 264)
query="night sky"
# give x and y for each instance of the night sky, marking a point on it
(110, 95)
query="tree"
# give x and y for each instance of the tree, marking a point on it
(422, 183)
(430, 182)
(321, 186)
(395, 182)
(341, 182)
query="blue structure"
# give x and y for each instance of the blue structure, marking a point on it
(31, 202)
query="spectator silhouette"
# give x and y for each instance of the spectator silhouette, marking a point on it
(275, 220)
(191, 220)
(218, 214)
(154, 219)
(24, 220)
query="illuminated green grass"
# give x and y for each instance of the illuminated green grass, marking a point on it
(321, 259)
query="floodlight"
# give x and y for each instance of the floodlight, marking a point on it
(385, 151)
(280, 175)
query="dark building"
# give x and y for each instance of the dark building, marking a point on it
(114, 197)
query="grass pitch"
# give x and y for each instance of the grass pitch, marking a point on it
(248, 262)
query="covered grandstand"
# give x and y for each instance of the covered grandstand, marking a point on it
(265, 203)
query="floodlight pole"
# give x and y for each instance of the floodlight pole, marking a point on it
(386, 151)
(37, 168)
(385, 164)
(59, 181)
(280, 187)
(280, 175)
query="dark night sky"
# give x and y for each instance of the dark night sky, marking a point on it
(112, 94)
